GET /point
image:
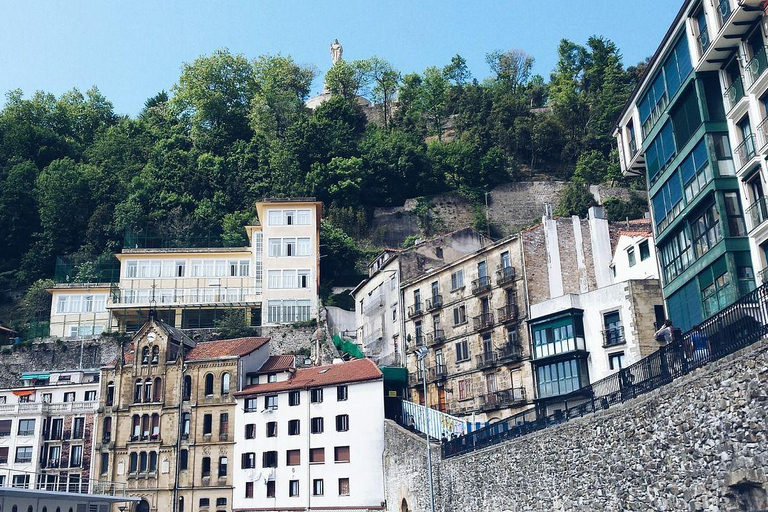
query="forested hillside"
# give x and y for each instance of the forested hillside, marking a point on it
(76, 177)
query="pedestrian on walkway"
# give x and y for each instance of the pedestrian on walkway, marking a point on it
(665, 333)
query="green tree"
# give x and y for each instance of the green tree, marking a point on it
(512, 68)
(383, 80)
(433, 99)
(575, 200)
(457, 71)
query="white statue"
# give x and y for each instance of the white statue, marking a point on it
(336, 51)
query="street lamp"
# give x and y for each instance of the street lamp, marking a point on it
(421, 354)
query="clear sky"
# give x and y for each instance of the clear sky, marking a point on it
(133, 49)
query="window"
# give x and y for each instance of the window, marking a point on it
(271, 377)
(341, 454)
(205, 502)
(735, 219)
(275, 217)
(5, 428)
(566, 335)
(78, 428)
(69, 397)
(705, 231)
(209, 384)
(152, 461)
(293, 488)
(631, 256)
(133, 462)
(187, 392)
(317, 455)
(275, 245)
(206, 466)
(269, 459)
(293, 457)
(645, 252)
(457, 280)
(3, 455)
(185, 421)
(23, 454)
(76, 456)
(104, 464)
(465, 389)
(223, 464)
(183, 460)
(560, 378)
(271, 489)
(249, 489)
(317, 396)
(294, 398)
(293, 427)
(223, 424)
(462, 351)
(251, 405)
(342, 423)
(459, 315)
(304, 247)
(27, 427)
(225, 384)
(250, 431)
(303, 217)
(317, 487)
(341, 393)
(343, 486)
(207, 423)
(616, 361)
(248, 460)
(270, 402)
(272, 429)
(21, 481)
(317, 425)
(289, 247)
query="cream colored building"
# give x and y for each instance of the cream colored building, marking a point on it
(274, 280)
(166, 429)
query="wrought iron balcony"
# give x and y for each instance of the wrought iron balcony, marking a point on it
(502, 398)
(762, 276)
(745, 151)
(438, 372)
(508, 313)
(483, 321)
(511, 352)
(481, 284)
(613, 336)
(418, 340)
(414, 378)
(415, 310)
(756, 66)
(762, 134)
(733, 94)
(757, 213)
(486, 359)
(434, 302)
(436, 337)
(505, 275)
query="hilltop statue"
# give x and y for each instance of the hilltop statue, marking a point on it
(336, 51)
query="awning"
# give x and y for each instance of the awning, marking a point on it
(38, 376)
(23, 392)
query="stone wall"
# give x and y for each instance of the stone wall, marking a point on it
(699, 443)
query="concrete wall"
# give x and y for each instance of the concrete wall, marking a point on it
(698, 443)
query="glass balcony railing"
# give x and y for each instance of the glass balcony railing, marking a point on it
(733, 94)
(724, 11)
(757, 213)
(703, 39)
(756, 66)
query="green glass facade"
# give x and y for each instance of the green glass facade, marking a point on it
(559, 354)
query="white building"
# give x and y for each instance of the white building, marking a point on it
(46, 430)
(311, 439)
(273, 280)
(635, 254)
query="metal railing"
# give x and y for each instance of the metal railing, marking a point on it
(703, 39)
(507, 353)
(415, 310)
(437, 372)
(745, 151)
(508, 313)
(613, 336)
(724, 11)
(733, 94)
(762, 133)
(757, 212)
(502, 398)
(481, 284)
(435, 337)
(483, 321)
(737, 326)
(762, 276)
(434, 302)
(41, 407)
(56, 482)
(505, 275)
(756, 66)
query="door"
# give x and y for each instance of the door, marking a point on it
(441, 399)
(505, 263)
(143, 506)
(485, 303)
(482, 271)
(435, 291)
(490, 384)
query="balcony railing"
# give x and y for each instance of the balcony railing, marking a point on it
(757, 213)
(434, 302)
(414, 378)
(60, 483)
(502, 398)
(509, 352)
(733, 94)
(762, 277)
(703, 39)
(632, 147)
(193, 290)
(762, 134)
(483, 321)
(756, 66)
(508, 313)
(486, 359)
(40, 407)
(437, 372)
(505, 275)
(745, 151)
(481, 284)
(419, 340)
(415, 310)
(373, 303)
(436, 337)
(724, 11)
(613, 336)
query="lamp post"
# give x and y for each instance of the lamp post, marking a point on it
(421, 354)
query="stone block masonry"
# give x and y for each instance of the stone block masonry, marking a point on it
(697, 444)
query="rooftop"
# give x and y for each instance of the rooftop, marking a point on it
(278, 364)
(237, 347)
(359, 370)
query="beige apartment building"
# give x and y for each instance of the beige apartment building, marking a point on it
(167, 411)
(273, 280)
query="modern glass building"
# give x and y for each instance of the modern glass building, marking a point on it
(689, 128)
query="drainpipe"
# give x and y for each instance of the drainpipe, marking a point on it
(175, 504)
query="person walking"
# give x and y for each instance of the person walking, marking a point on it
(701, 345)
(665, 333)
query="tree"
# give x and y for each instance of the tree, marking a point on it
(383, 80)
(457, 71)
(575, 200)
(18, 211)
(344, 79)
(618, 209)
(512, 68)
(432, 100)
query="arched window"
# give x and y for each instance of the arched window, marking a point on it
(187, 387)
(225, 384)
(147, 391)
(106, 434)
(155, 354)
(145, 426)
(181, 503)
(208, 384)
(136, 428)
(137, 391)
(155, 427)
(145, 355)
(14, 509)
(110, 393)
(157, 395)
(133, 464)
(30, 509)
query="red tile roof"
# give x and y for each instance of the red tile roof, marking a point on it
(224, 348)
(635, 232)
(277, 364)
(359, 370)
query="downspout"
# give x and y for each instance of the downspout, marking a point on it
(175, 504)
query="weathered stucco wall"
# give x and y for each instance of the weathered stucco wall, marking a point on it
(699, 443)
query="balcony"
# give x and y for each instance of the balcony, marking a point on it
(483, 321)
(58, 408)
(374, 303)
(436, 337)
(703, 39)
(757, 213)
(372, 337)
(745, 151)
(724, 11)
(508, 353)
(434, 302)
(733, 94)
(415, 310)
(137, 292)
(481, 284)
(762, 134)
(613, 336)
(438, 372)
(502, 398)
(505, 275)
(414, 379)
(418, 341)
(508, 313)
(762, 276)
(486, 359)
(756, 66)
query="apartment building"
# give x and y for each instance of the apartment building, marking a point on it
(311, 439)
(694, 128)
(379, 310)
(168, 404)
(274, 280)
(634, 254)
(46, 430)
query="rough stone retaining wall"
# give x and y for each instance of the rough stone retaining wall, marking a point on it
(697, 444)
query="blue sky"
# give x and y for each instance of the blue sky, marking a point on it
(132, 50)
